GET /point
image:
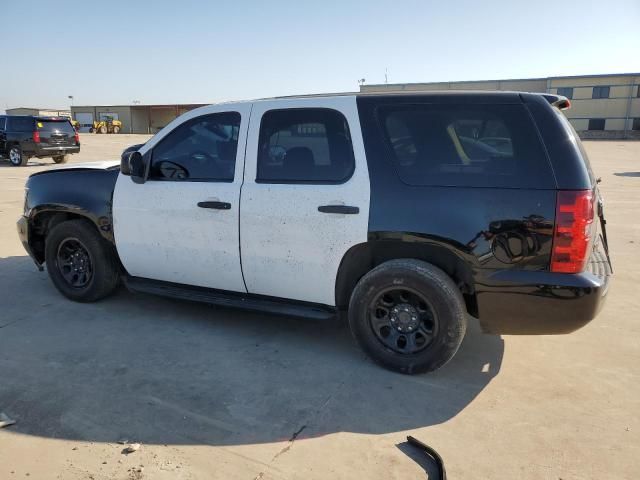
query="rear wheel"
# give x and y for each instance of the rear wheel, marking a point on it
(408, 315)
(17, 158)
(103, 129)
(61, 159)
(80, 263)
(92, 130)
(116, 129)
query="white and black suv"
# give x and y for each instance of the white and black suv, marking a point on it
(409, 211)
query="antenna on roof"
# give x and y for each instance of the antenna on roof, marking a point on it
(361, 81)
(386, 75)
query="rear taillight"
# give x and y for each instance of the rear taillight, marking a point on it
(36, 136)
(573, 230)
(77, 137)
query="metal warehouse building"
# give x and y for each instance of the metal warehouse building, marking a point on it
(602, 106)
(134, 118)
(39, 112)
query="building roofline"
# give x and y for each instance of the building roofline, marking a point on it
(600, 75)
(145, 105)
(36, 108)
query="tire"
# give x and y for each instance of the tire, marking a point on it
(422, 305)
(92, 130)
(61, 158)
(102, 273)
(16, 156)
(116, 129)
(103, 129)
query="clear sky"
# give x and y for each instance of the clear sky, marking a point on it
(113, 52)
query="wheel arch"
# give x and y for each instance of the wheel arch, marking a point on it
(43, 219)
(363, 257)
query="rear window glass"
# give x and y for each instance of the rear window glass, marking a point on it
(63, 126)
(20, 124)
(465, 145)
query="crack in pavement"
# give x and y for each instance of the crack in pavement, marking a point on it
(290, 444)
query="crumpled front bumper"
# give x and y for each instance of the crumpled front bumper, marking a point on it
(23, 233)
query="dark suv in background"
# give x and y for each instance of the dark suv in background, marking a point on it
(23, 137)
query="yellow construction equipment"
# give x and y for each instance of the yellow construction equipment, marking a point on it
(106, 125)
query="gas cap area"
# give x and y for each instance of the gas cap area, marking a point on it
(512, 247)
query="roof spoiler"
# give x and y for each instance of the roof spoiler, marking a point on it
(563, 103)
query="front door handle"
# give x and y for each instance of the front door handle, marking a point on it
(344, 209)
(215, 205)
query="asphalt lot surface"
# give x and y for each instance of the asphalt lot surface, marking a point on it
(219, 393)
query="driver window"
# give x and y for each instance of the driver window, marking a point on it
(201, 149)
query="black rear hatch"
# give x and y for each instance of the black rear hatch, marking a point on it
(55, 132)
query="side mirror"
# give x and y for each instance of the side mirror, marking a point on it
(135, 166)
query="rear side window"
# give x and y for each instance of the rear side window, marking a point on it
(465, 145)
(20, 124)
(306, 145)
(51, 126)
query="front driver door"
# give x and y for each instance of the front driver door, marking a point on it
(181, 225)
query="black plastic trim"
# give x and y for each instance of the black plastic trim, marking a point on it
(225, 298)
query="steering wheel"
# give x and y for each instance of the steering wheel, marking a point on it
(201, 156)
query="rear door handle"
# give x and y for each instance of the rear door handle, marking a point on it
(344, 209)
(215, 205)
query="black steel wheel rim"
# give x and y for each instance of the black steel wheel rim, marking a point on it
(74, 263)
(403, 320)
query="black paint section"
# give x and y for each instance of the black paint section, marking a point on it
(568, 160)
(72, 192)
(495, 242)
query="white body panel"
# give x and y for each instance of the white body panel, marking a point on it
(162, 234)
(289, 248)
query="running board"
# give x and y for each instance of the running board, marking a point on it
(223, 298)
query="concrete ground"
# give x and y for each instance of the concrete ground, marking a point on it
(217, 393)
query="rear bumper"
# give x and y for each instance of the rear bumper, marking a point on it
(542, 303)
(55, 150)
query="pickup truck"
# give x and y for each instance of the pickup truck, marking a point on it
(412, 213)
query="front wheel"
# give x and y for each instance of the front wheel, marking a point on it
(61, 159)
(17, 158)
(80, 263)
(408, 316)
(116, 129)
(103, 129)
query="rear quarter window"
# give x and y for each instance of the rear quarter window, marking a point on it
(465, 145)
(20, 124)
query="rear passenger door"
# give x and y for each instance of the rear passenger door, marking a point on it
(305, 197)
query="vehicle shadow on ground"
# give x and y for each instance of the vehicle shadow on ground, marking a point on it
(627, 174)
(33, 162)
(163, 371)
